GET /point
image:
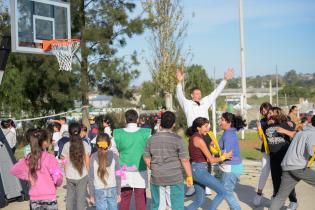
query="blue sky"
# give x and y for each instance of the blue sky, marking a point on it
(278, 33)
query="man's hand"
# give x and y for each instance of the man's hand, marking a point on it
(228, 74)
(179, 75)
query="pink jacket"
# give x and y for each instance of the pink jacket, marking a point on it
(49, 176)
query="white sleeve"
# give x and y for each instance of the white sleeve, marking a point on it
(209, 99)
(180, 96)
(113, 147)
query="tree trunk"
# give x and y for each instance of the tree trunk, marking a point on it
(84, 83)
(168, 101)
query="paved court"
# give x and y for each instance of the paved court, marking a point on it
(245, 192)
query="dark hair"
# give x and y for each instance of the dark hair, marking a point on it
(265, 105)
(63, 118)
(76, 150)
(5, 124)
(193, 89)
(11, 122)
(278, 115)
(29, 133)
(313, 120)
(168, 119)
(57, 125)
(198, 122)
(163, 107)
(105, 120)
(236, 121)
(37, 139)
(292, 108)
(102, 157)
(131, 116)
(304, 119)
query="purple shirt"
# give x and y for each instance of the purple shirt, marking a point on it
(228, 142)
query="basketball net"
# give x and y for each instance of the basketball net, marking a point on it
(64, 50)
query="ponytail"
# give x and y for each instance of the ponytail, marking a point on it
(103, 142)
(236, 121)
(76, 150)
(37, 138)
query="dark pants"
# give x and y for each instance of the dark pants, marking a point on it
(288, 181)
(276, 172)
(140, 198)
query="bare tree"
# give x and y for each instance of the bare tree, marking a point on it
(166, 40)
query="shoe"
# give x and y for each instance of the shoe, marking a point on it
(257, 200)
(292, 206)
(208, 191)
(190, 191)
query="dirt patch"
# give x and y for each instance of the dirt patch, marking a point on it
(250, 144)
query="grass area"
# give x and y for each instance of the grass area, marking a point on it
(250, 154)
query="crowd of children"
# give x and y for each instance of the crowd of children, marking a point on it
(111, 167)
(119, 166)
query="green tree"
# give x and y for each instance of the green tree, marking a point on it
(290, 77)
(166, 40)
(151, 96)
(103, 26)
(196, 76)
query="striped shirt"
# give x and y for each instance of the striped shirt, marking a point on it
(166, 149)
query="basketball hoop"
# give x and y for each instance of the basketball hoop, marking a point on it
(64, 50)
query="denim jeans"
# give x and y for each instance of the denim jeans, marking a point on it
(229, 181)
(106, 199)
(203, 179)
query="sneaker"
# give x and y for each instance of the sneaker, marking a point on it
(257, 200)
(292, 206)
(190, 191)
(208, 191)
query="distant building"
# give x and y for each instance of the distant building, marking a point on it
(99, 101)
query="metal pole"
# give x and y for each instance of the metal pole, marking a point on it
(277, 85)
(214, 116)
(270, 92)
(243, 74)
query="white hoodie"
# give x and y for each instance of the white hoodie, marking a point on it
(300, 150)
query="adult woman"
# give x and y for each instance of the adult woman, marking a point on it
(232, 169)
(200, 156)
(278, 144)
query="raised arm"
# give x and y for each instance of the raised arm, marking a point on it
(209, 99)
(179, 89)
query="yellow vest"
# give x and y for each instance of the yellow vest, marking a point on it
(263, 137)
(215, 149)
(310, 162)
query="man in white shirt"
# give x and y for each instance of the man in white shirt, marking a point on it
(198, 106)
(63, 123)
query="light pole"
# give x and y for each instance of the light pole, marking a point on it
(243, 74)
